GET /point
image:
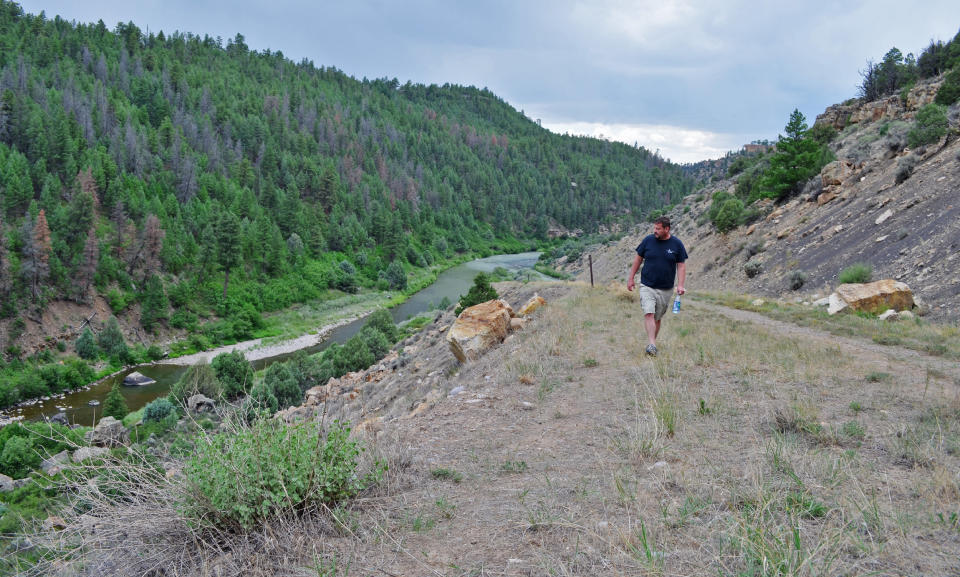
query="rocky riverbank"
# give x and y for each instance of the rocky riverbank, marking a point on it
(256, 350)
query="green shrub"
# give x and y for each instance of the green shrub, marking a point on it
(306, 370)
(796, 279)
(755, 247)
(31, 443)
(239, 481)
(348, 268)
(155, 353)
(282, 384)
(199, 378)
(383, 322)
(234, 372)
(860, 272)
(822, 133)
(117, 300)
(930, 126)
(73, 373)
(905, 168)
(19, 457)
(157, 410)
(752, 268)
(184, 319)
(729, 215)
(480, 292)
(353, 356)
(260, 401)
(376, 342)
(726, 211)
(949, 91)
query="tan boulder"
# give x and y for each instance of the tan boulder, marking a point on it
(478, 329)
(835, 304)
(836, 172)
(876, 296)
(535, 302)
(517, 324)
(825, 197)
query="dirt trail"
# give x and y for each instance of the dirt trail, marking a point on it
(892, 352)
(568, 452)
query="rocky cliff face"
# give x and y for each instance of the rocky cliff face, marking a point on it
(861, 209)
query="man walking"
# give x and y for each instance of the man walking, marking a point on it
(663, 257)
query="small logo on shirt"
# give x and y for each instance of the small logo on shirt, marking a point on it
(669, 251)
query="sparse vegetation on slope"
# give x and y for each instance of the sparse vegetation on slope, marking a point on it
(747, 447)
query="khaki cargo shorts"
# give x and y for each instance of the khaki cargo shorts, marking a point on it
(655, 301)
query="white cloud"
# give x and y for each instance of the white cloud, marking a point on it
(675, 143)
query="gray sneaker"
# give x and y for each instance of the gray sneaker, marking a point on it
(651, 350)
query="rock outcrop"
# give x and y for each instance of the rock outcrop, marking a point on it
(478, 329)
(922, 94)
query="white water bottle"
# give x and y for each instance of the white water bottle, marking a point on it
(676, 305)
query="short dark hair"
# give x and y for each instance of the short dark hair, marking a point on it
(663, 221)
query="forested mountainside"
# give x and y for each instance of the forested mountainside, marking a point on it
(182, 174)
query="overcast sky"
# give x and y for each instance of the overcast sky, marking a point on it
(691, 78)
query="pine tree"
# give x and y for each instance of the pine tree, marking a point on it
(228, 245)
(86, 346)
(153, 236)
(480, 292)
(155, 306)
(5, 280)
(41, 252)
(114, 405)
(111, 343)
(798, 158)
(88, 265)
(395, 275)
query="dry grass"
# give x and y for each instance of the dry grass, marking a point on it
(742, 449)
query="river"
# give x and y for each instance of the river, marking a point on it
(451, 284)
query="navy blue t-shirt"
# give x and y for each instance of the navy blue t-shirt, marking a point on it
(660, 258)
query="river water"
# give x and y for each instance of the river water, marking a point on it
(450, 284)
